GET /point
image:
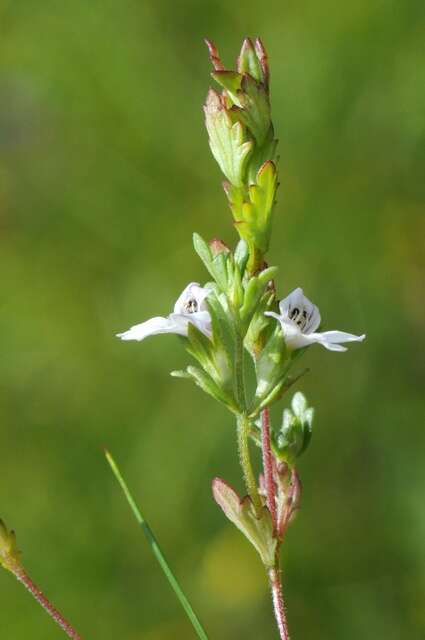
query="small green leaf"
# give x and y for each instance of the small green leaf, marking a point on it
(181, 373)
(215, 265)
(202, 249)
(259, 531)
(207, 384)
(231, 81)
(222, 323)
(229, 142)
(219, 271)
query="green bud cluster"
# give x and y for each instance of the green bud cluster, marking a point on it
(295, 432)
(242, 141)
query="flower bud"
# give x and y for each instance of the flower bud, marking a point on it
(218, 246)
(9, 554)
(295, 432)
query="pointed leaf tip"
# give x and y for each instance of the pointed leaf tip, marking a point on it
(214, 55)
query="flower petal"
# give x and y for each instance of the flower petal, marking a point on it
(331, 339)
(192, 291)
(153, 327)
(314, 319)
(294, 299)
(201, 320)
(296, 306)
(294, 339)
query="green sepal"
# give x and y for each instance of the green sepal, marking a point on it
(271, 365)
(254, 291)
(235, 292)
(222, 323)
(260, 328)
(242, 255)
(259, 531)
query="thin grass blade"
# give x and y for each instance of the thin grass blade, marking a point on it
(157, 550)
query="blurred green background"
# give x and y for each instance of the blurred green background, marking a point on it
(104, 174)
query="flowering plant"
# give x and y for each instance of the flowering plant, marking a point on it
(230, 322)
(235, 321)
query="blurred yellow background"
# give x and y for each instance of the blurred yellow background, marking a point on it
(105, 172)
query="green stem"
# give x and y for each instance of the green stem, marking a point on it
(245, 460)
(243, 428)
(157, 550)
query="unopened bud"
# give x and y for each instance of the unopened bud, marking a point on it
(218, 246)
(9, 553)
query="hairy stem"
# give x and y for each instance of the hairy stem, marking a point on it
(277, 595)
(243, 427)
(245, 460)
(268, 466)
(24, 578)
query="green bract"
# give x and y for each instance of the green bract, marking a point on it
(240, 511)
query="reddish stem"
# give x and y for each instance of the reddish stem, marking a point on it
(24, 578)
(278, 604)
(268, 466)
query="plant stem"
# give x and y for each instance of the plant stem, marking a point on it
(243, 428)
(157, 550)
(268, 466)
(24, 578)
(277, 595)
(245, 460)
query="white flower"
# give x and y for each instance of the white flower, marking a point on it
(190, 307)
(299, 319)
